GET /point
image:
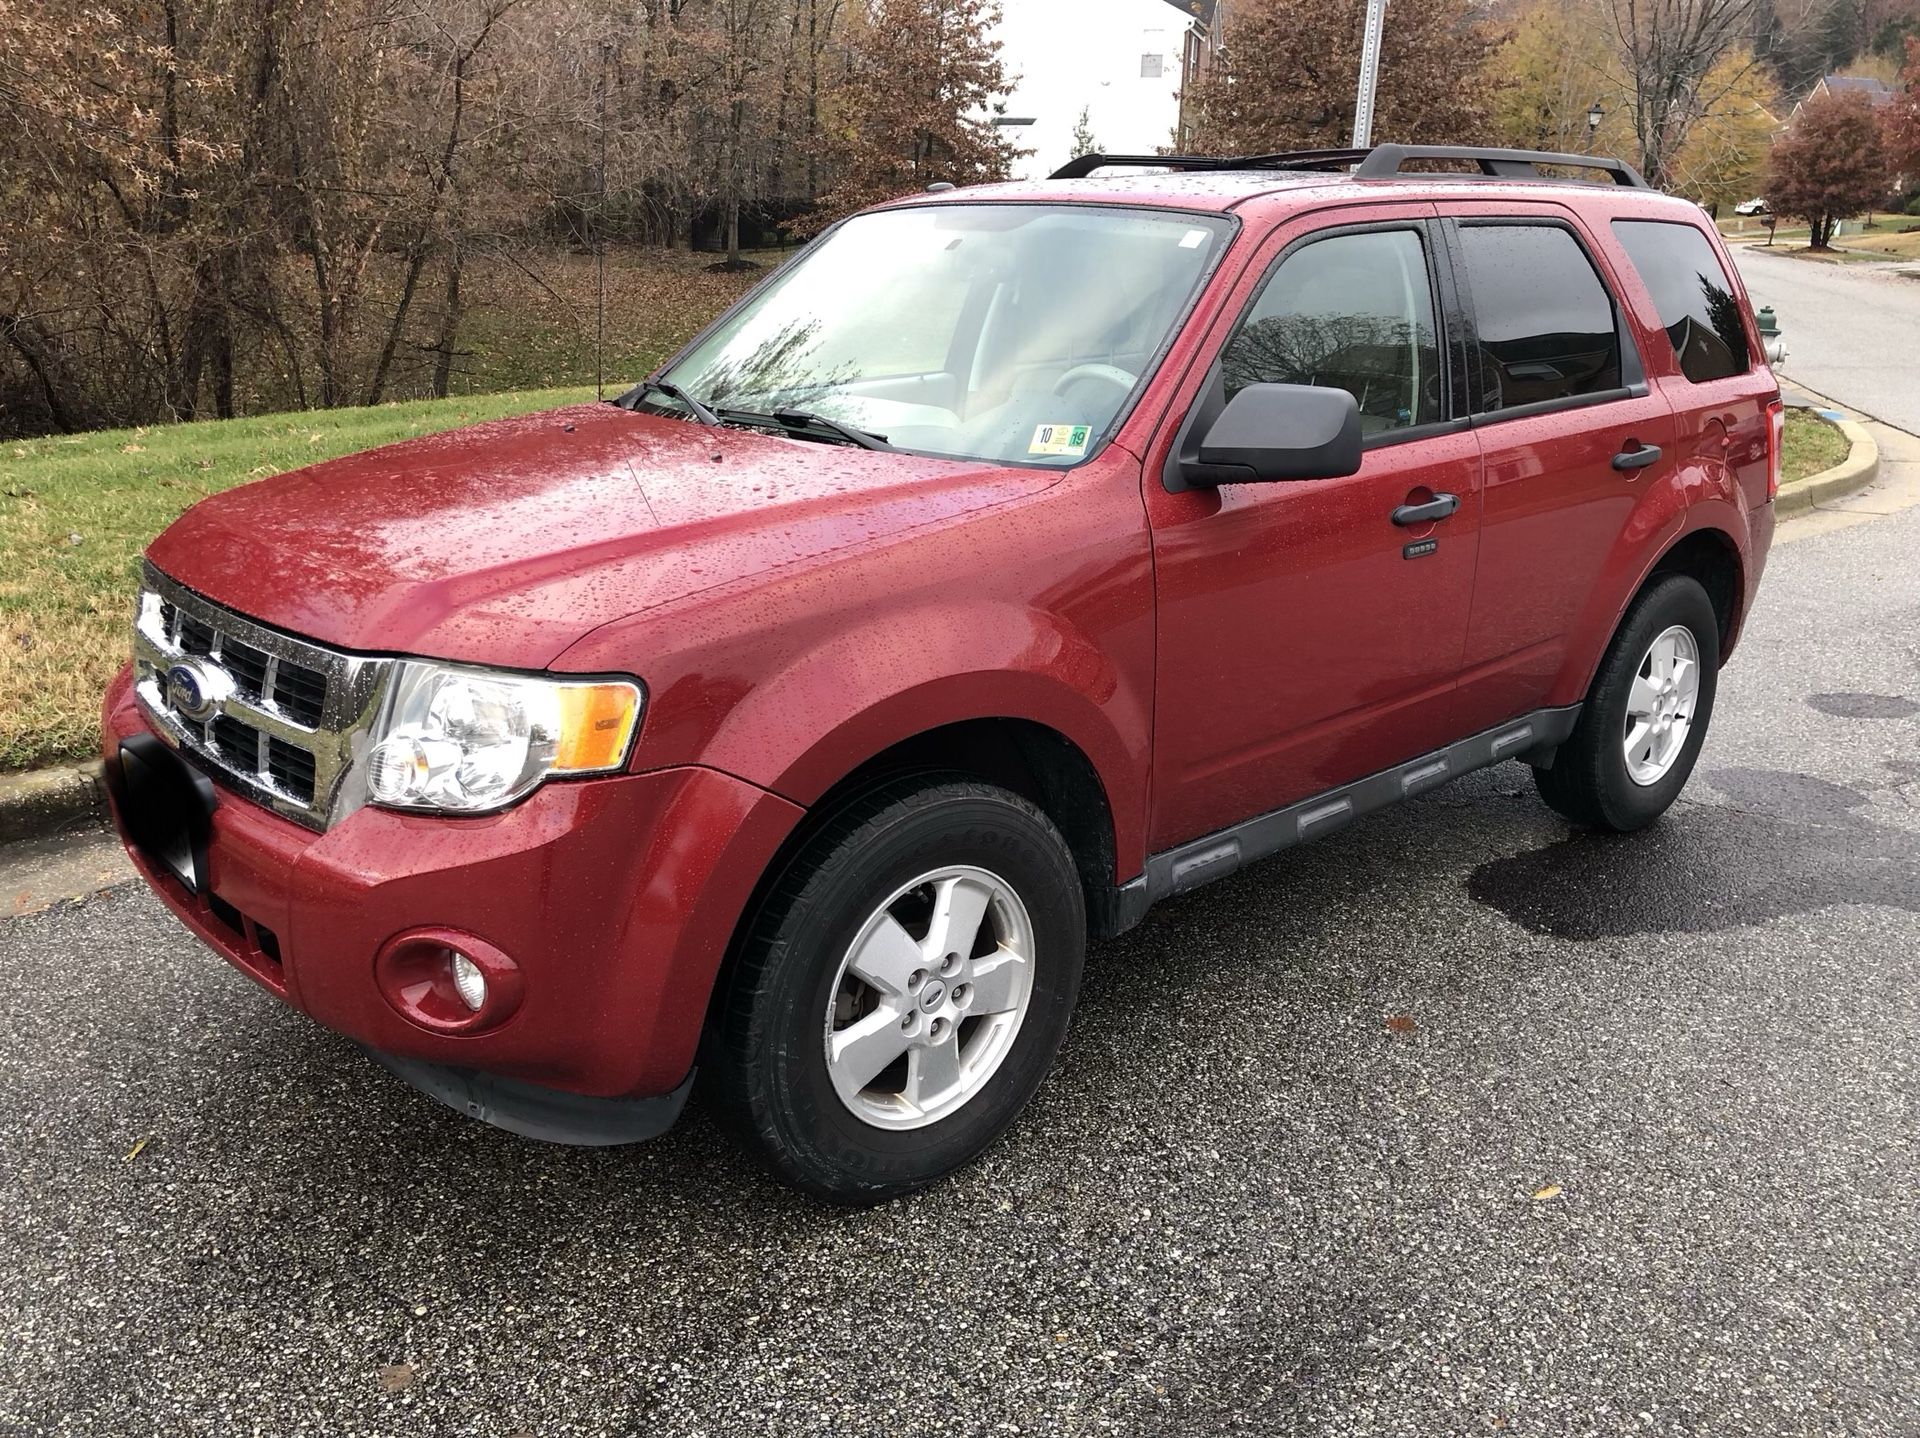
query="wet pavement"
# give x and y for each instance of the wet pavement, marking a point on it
(1455, 1123)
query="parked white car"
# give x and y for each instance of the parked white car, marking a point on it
(1755, 206)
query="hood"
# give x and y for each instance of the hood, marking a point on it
(503, 543)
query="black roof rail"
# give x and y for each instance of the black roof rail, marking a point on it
(1385, 161)
(1082, 166)
(1382, 162)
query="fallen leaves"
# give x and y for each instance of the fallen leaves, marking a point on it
(1400, 1023)
(134, 1152)
(396, 1376)
(1547, 1194)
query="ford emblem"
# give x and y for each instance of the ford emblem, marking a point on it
(193, 689)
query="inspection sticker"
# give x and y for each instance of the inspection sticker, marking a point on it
(1065, 439)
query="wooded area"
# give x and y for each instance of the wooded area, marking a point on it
(209, 208)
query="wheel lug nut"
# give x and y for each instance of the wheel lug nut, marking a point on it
(951, 965)
(914, 980)
(962, 993)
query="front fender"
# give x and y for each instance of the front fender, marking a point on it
(1039, 610)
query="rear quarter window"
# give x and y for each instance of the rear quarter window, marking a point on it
(1692, 295)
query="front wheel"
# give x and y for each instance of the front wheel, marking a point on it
(904, 988)
(1646, 715)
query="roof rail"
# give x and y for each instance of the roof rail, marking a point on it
(1382, 162)
(1082, 166)
(1385, 161)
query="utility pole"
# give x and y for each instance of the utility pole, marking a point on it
(1369, 75)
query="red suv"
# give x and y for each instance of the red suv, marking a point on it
(1008, 561)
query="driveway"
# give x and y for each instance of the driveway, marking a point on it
(1852, 330)
(1454, 1123)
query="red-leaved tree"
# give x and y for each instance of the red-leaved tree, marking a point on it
(1828, 165)
(924, 76)
(1901, 119)
(1289, 72)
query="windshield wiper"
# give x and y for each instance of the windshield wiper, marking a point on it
(671, 391)
(801, 419)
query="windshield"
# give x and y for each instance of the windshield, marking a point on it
(1010, 333)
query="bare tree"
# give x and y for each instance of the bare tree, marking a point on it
(1671, 51)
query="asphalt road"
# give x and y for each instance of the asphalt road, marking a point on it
(1850, 329)
(1636, 1152)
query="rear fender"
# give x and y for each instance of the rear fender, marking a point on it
(1699, 494)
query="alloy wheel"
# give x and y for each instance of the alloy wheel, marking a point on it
(929, 997)
(1660, 705)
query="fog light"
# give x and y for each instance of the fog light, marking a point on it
(449, 981)
(470, 983)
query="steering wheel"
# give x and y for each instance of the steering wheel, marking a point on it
(1111, 374)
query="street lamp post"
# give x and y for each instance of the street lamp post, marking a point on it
(1595, 114)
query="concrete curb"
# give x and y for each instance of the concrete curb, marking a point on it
(41, 802)
(1858, 470)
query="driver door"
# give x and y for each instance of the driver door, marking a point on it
(1304, 639)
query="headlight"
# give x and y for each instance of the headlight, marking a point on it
(469, 741)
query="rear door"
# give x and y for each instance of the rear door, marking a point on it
(1304, 638)
(1570, 434)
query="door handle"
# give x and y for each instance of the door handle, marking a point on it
(1637, 457)
(1439, 507)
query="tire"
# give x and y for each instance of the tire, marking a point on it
(1593, 780)
(829, 963)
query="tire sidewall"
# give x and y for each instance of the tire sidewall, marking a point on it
(1677, 599)
(821, 1135)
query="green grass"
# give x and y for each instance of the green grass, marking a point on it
(1892, 237)
(77, 510)
(1810, 445)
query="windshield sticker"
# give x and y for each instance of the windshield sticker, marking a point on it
(1063, 439)
(1194, 240)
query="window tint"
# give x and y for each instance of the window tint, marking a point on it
(1546, 322)
(1352, 312)
(1691, 291)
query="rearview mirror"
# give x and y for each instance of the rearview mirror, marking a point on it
(1278, 432)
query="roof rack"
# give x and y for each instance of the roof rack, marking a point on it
(1082, 166)
(1382, 162)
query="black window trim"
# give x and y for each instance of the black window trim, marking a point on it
(1447, 318)
(1632, 366)
(1613, 228)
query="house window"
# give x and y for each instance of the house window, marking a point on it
(1151, 66)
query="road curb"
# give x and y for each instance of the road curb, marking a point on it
(1858, 470)
(42, 802)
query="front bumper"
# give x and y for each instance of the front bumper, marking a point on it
(617, 897)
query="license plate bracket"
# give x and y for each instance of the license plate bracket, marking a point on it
(167, 807)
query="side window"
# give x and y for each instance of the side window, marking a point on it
(1546, 322)
(1693, 295)
(1351, 312)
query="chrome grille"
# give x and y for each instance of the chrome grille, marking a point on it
(277, 718)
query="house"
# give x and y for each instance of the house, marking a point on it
(1878, 92)
(1122, 65)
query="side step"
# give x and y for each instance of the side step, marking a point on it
(1201, 861)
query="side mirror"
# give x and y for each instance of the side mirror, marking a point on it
(1278, 432)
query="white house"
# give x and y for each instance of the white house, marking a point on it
(1121, 63)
